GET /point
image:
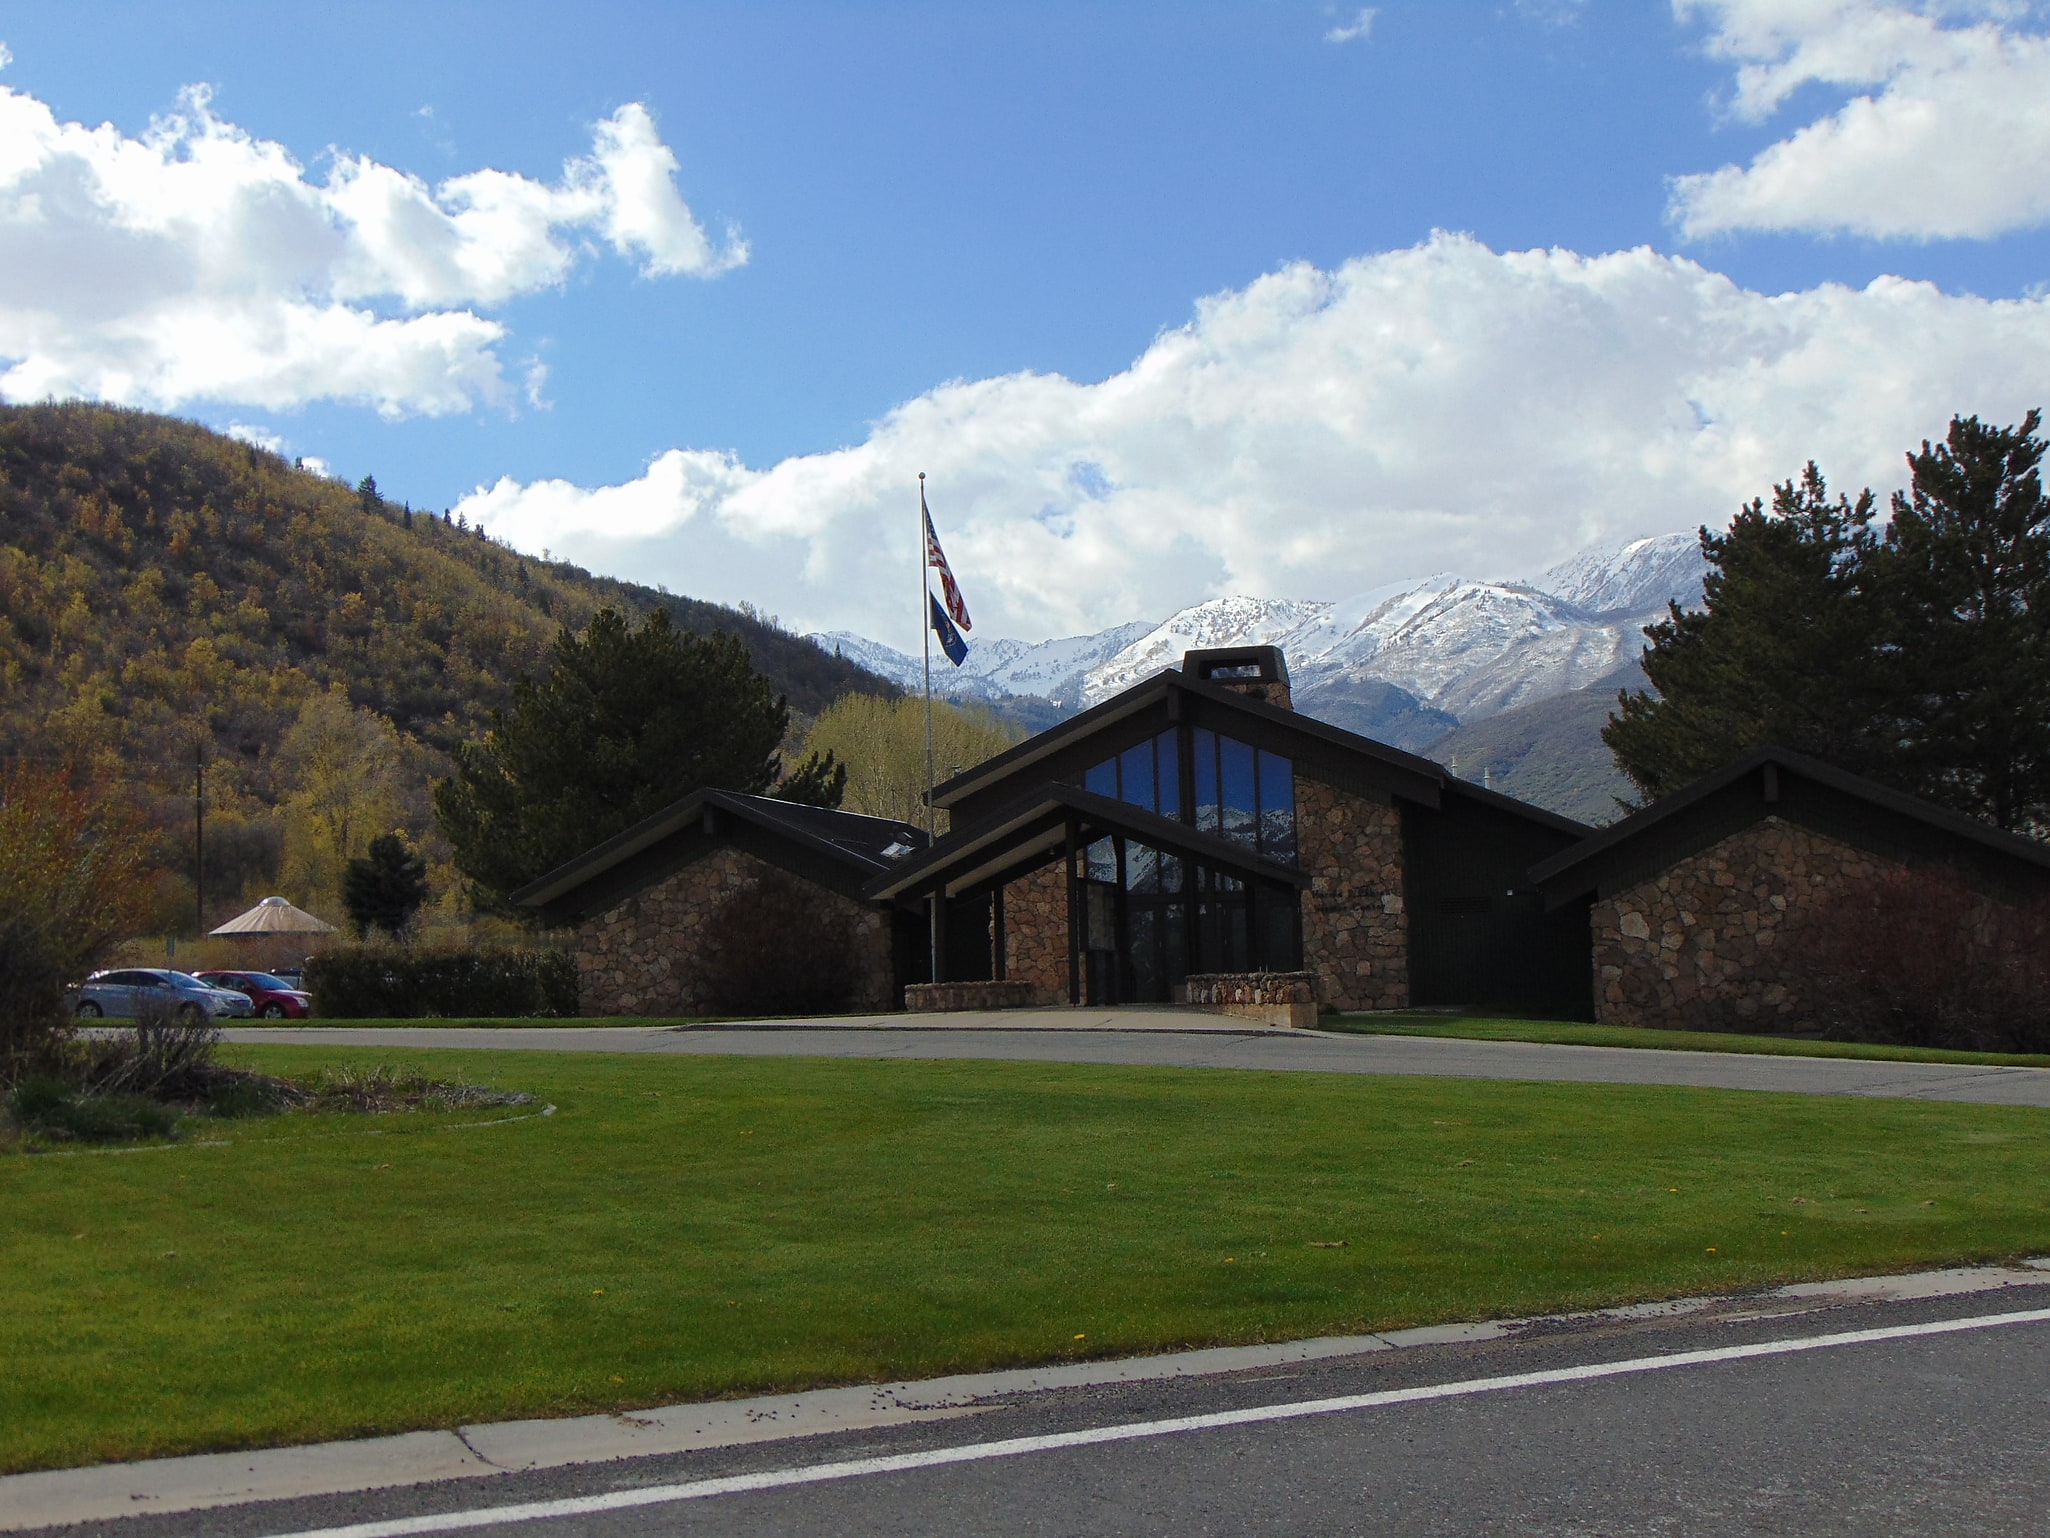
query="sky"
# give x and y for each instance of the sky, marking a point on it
(1168, 301)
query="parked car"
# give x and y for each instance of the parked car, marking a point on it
(120, 995)
(269, 995)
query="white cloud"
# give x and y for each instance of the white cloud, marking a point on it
(1951, 138)
(1358, 30)
(261, 437)
(198, 262)
(1317, 433)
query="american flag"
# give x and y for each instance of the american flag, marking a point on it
(957, 607)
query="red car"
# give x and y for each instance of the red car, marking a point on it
(271, 997)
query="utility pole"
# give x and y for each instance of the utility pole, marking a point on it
(198, 842)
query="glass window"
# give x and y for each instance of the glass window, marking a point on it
(1277, 808)
(1236, 790)
(1167, 754)
(1142, 868)
(1206, 780)
(1135, 773)
(1102, 778)
(1100, 861)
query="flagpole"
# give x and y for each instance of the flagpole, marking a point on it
(925, 629)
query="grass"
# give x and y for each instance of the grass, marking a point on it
(693, 1226)
(1575, 1033)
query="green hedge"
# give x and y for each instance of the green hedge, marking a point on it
(380, 983)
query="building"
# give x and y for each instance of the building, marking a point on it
(1696, 904)
(1195, 825)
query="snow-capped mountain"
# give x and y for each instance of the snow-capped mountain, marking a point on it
(996, 670)
(1406, 662)
(1637, 578)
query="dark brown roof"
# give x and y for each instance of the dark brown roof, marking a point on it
(1035, 825)
(846, 838)
(1771, 781)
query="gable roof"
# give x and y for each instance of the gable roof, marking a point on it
(1034, 827)
(1773, 781)
(848, 840)
(1418, 779)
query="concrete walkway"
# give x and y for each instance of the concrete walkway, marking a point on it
(1177, 1039)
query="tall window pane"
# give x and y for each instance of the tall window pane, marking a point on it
(1167, 754)
(1135, 774)
(1277, 808)
(1142, 868)
(1102, 861)
(1102, 778)
(1206, 780)
(1235, 783)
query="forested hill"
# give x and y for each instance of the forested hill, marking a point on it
(164, 587)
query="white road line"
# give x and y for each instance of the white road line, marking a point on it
(976, 1452)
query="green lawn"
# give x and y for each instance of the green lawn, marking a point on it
(1577, 1033)
(692, 1226)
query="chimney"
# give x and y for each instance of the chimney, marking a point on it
(1259, 672)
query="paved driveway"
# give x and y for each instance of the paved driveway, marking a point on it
(1176, 1040)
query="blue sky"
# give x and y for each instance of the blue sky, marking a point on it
(963, 226)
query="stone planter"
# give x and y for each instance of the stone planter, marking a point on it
(942, 998)
(1272, 998)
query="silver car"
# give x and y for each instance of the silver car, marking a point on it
(120, 995)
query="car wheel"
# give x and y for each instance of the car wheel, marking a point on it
(189, 1012)
(90, 1011)
(272, 1011)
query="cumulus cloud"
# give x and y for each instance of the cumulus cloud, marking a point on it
(1358, 30)
(196, 261)
(259, 437)
(1950, 138)
(1317, 433)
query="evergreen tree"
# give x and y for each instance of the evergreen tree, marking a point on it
(385, 888)
(1965, 570)
(626, 722)
(367, 495)
(1920, 659)
(1779, 652)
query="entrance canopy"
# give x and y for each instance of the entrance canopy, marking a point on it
(1144, 900)
(275, 916)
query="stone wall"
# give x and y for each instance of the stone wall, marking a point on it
(1711, 942)
(648, 955)
(1036, 930)
(1273, 998)
(942, 998)
(1355, 925)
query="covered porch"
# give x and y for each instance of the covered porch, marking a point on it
(1094, 901)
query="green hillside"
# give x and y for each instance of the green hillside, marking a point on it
(1550, 753)
(166, 591)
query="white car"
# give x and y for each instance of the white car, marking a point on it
(120, 995)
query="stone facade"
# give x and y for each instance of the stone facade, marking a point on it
(1355, 923)
(942, 998)
(1036, 930)
(648, 955)
(1272, 998)
(1710, 942)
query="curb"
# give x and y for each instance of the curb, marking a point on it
(109, 1491)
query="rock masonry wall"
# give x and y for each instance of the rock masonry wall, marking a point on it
(1036, 930)
(1712, 941)
(1355, 924)
(647, 956)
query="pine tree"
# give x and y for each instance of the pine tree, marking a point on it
(1779, 652)
(385, 888)
(626, 722)
(1966, 573)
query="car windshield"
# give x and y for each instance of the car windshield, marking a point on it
(183, 980)
(265, 980)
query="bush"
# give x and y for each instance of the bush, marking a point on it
(375, 982)
(69, 889)
(1919, 958)
(51, 1107)
(779, 948)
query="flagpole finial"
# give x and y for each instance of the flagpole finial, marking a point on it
(921, 475)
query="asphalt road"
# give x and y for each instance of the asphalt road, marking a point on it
(1136, 1038)
(1921, 1433)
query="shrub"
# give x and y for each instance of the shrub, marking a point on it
(375, 982)
(779, 947)
(1920, 958)
(69, 889)
(49, 1106)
